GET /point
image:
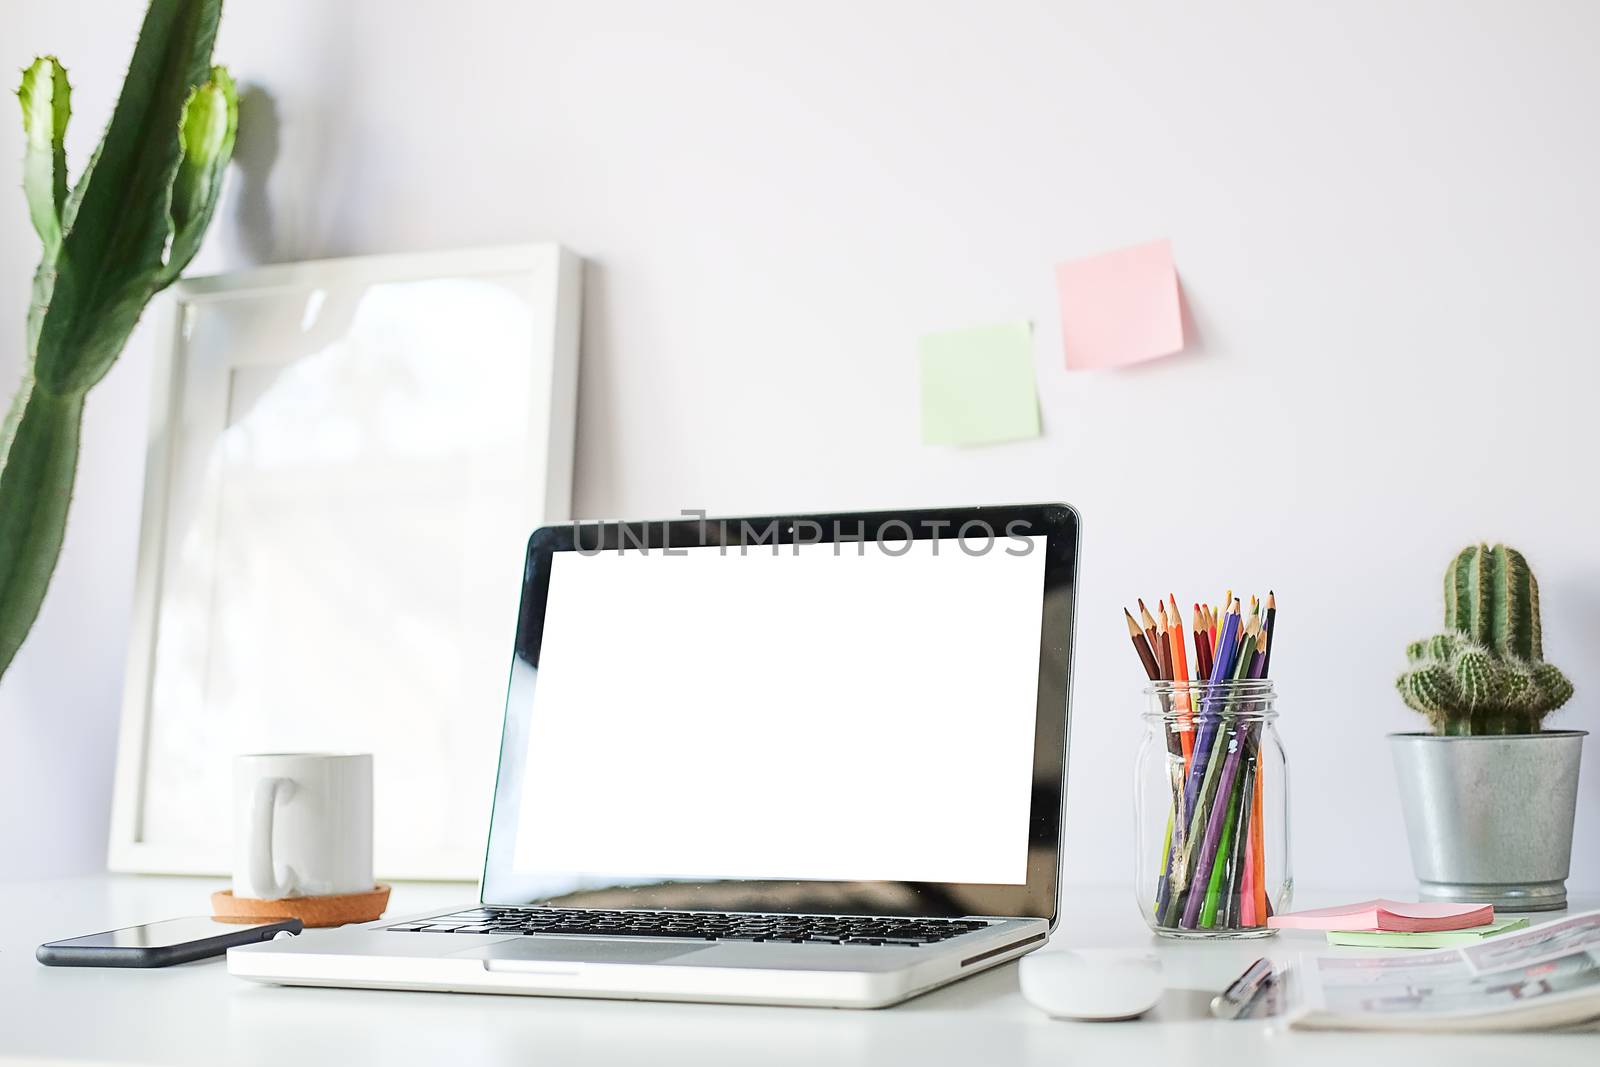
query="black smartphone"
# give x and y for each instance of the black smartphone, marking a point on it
(160, 944)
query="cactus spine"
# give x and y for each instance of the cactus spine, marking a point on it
(110, 242)
(1486, 674)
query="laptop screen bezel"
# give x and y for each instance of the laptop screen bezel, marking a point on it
(1059, 526)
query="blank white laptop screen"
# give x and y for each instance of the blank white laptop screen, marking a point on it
(825, 712)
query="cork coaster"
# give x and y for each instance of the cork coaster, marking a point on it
(312, 911)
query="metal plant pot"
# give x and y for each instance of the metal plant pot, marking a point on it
(1490, 818)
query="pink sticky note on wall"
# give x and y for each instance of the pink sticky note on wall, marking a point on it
(1120, 307)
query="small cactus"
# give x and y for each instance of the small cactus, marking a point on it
(1486, 674)
(110, 242)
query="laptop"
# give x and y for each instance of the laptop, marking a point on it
(802, 760)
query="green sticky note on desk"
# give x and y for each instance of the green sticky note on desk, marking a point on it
(977, 385)
(1424, 938)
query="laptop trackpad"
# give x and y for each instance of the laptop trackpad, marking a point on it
(531, 950)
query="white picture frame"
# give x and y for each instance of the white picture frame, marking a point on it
(343, 464)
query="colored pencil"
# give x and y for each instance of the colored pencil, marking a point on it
(1164, 660)
(1257, 849)
(1202, 645)
(1258, 834)
(1180, 674)
(1141, 646)
(1148, 622)
(1247, 880)
(1175, 763)
(1258, 853)
(1272, 626)
(1164, 645)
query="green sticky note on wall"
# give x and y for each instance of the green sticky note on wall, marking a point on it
(977, 385)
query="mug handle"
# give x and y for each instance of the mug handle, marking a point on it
(263, 872)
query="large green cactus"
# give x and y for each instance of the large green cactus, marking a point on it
(121, 234)
(1488, 675)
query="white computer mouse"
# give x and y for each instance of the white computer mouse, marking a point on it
(1090, 983)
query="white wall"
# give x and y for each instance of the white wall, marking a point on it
(1385, 220)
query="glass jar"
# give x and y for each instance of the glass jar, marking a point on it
(1211, 804)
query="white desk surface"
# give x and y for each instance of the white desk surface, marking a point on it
(196, 1014)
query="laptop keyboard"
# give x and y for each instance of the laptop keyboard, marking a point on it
(698, 926)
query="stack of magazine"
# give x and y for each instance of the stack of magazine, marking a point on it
(1543, 978)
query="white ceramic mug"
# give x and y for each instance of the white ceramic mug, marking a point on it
(302, 825)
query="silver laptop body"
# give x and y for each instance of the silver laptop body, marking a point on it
(800, 760)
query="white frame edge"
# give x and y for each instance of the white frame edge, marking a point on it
(125, 851)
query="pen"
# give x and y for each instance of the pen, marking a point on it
(1231, 1002)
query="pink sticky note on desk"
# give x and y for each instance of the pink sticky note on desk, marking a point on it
(1388, 915)
(1120, 307)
